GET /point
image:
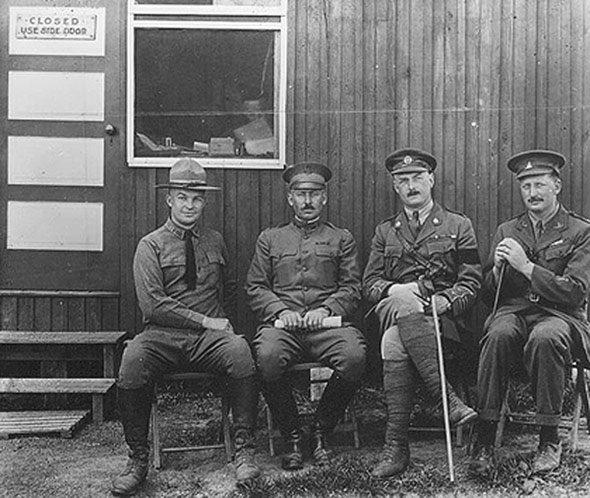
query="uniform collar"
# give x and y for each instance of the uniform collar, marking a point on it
(179, 231)
(306, 225)
(422, 212)
(547, 221)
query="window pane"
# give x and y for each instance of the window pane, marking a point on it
(204, 92)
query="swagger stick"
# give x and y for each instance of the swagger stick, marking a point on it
(443, 385)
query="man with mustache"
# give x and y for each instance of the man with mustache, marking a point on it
(540, 260)
(303, 272)
(423, 251)
(186, 291)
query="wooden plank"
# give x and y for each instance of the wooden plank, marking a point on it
(41, 386)
(41, 422)
(55, 337)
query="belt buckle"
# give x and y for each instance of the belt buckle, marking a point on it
(534, 298)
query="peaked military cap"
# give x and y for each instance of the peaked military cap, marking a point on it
(410, 161)
(188, 174)
(307, 175)
(536, 162)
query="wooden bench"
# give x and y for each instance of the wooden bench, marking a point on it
(60, 347)
(96, 387)
(22, 346)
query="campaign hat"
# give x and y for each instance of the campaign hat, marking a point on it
(410, 161)
(536, 162)
(307, 175)
(188, 174)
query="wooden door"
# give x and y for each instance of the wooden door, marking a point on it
(60, 147)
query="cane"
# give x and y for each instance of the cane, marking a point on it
(443, 385)
(499, 287)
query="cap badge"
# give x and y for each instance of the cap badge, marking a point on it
(408, 160)
(529, 165)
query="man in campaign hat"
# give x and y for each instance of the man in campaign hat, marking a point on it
(180, 271)
(422, 251)
(537, 280)
(303, 272)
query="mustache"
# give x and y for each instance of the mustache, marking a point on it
(535, 199)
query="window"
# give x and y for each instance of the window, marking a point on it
(207, 79)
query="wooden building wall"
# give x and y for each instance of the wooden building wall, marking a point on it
(472, 81)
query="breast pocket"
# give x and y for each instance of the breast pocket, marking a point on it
(173, 267)
(283, 261)
(392, 255)
(209, 266)
(327, 261)
(556, 258)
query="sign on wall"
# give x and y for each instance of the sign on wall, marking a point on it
(57, 31)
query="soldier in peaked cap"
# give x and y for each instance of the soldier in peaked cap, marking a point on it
(424, 250)
(303, 272)
(539, 264)
(180, 271)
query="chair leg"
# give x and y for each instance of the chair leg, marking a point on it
(355, 426)
(225, 427)
(156, 431)
(270, 431)
(503, 416)
(581, 401)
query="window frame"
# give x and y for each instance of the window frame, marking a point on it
(149, 16)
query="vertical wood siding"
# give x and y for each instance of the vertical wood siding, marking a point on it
(472, 81)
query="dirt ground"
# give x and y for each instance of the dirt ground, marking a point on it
(84, 465)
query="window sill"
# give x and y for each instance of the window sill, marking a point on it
(207, 162)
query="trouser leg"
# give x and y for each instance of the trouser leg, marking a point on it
(547, 357)
(501, 348)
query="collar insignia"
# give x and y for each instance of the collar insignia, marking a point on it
(398, 224)
(435, 221)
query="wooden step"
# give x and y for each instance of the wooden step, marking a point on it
(55, 385)
(96, 387)
(62, 422)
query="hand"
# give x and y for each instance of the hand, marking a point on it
(511, 251)
(442, 304)
(313, 319)
(221, 324)
(291, 319)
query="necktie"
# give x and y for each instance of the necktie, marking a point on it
(414, 223)
(190, 276)
(539, 229)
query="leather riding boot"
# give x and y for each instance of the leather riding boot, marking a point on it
(335, 398)
(134, 407)
(418, 336)
(243, 395)
(281, 403)
(398, 388)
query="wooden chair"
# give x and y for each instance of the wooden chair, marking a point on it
(158, 448)
(319, 375)
(581, 401)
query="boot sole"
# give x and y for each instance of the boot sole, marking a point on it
(472, 417)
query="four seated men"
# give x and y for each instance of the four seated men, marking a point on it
(306, 271)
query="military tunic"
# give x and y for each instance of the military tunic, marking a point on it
(301, 267)
(544, 318)
(174, 336)
(443, 258)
